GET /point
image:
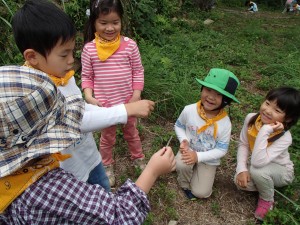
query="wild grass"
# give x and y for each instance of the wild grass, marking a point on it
(262, 49)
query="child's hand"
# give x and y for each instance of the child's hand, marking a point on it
(184, 146)
(277, 126)
(88, 95)
(93, 101)
(140, 108)
(162, 162)
(189, 157)
(242, 179)
(134, 99)
(136, 96)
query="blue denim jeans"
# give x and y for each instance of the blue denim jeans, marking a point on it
(98, 176)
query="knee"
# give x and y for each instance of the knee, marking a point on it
(181, 166)
(202, 193)
(131, 133)
(108, 139)
(257, 173)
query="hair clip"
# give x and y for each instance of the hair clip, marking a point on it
(88, 12)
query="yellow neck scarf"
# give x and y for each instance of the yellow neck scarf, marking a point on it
(106, 48)
(13, 185)
(211, 121)
(62, 81)
(58, 81)
(253, 131)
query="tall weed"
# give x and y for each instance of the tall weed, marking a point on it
(10, 53)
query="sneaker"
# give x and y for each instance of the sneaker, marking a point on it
(139, 163)
(188, 193)
(109, 170)
(263, 207)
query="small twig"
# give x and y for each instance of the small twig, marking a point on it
(163, 100)
(158, 116)
(168, 143)
(149, 131)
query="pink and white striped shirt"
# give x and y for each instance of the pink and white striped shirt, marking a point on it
(114, 80)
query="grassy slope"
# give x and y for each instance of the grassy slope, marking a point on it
(261, 49)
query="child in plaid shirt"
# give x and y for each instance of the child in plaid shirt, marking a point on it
(36, 123)
(47, 45)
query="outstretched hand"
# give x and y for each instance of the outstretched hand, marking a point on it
(162, 162)
(141, 108)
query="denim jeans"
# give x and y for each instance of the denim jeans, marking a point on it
(98, 176)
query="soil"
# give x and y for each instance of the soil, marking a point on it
(227, 205)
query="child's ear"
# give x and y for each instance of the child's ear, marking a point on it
(31, 57)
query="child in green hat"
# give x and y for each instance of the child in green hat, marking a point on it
(203, 130)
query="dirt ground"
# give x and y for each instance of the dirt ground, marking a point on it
(227, 205)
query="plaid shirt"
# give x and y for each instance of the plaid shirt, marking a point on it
(59, 198)
(35, 118)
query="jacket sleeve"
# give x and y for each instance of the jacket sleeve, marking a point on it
(263, 154)
(137, 68)
(87, 73)
(96, 118)
(180, 126)
(243, 147)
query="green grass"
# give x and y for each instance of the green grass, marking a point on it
(262, 49)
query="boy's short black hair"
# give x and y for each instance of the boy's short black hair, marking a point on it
(40, 25)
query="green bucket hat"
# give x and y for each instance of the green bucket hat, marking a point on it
(222, 81)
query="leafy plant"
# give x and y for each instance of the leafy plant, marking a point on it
(10, 53)
(141, 18)
(77, 11)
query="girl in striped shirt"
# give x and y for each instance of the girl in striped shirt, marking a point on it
(112, 74)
